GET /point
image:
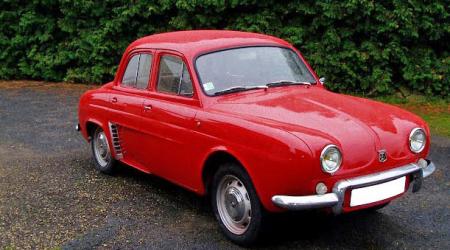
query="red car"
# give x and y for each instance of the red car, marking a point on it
(243, 118)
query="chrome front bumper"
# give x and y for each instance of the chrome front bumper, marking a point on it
(335, 199)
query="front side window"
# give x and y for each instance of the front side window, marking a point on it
(250, 66)
(137, 73)
(174, 77)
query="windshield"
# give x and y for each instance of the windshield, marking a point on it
(249, 67)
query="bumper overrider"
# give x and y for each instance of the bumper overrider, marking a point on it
(335, 199)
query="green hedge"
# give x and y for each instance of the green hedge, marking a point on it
(362, 46)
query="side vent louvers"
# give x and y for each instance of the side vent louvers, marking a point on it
(115, 140)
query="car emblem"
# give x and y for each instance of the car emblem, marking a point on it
(382, 156)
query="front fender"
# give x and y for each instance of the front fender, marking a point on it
(276, 160)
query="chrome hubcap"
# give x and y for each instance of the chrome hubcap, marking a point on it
(101, 149)
(233, 204)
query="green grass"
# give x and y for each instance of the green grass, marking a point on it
(435, 111)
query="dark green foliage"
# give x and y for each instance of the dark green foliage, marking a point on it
(362, 46)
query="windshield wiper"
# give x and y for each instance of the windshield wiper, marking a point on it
(239, 89)
(286, 83)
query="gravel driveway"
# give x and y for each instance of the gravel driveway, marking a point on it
(51, 196)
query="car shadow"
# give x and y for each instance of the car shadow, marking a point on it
(165, 188)
(308, 229)
(313, 229)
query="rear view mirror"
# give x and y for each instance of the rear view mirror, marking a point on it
(322, 80)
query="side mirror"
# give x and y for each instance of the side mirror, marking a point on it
(322, 80)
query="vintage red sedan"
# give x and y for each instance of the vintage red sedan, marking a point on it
(243, 118)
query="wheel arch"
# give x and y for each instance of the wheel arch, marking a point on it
(90, 126)
(212, 163)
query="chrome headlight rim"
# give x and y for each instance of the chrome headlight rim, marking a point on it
(413, 131)
(322, 155)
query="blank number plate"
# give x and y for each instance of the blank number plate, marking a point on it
(366, 195)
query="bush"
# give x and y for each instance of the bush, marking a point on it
(361, 46)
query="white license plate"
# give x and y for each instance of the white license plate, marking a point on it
(366, 195)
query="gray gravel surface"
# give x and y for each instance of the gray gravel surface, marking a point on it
(51, 196)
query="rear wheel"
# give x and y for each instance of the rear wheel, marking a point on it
(236, 205)
(101, 152)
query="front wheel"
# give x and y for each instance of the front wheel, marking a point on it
(236, 205)
(103, 159)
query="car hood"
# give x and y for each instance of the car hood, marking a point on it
(360, 127)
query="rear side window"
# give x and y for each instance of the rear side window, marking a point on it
(174, 77)
(138, 71)
(145, 63)
(129, 77)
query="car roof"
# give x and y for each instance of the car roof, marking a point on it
(194, 42)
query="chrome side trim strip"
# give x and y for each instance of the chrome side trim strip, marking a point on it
(115, 140)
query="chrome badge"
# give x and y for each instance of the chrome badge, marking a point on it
(382, 156)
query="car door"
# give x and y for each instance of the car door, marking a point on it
(168, 119)
(127, 98)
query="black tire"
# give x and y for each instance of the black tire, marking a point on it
(111, 164)
(258, 215)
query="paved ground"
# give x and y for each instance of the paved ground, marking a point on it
(51, 196)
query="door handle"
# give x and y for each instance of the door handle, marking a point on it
(114, 100)
(147, 107)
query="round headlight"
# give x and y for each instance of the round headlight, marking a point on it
(330, 159)
(417, 140)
